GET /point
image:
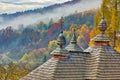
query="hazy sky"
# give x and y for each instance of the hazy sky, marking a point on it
(11, 6)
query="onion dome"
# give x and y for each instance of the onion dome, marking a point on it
(61, 41)
(73, 46)
(102, 25)
(74, 39)
(102, 36)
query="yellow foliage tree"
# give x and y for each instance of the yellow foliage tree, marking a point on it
(97, 19)
(12, 72)
(92, 34)
(67, 34)
(83, 30)
(73, 26)
(114, 20)
(52, 44)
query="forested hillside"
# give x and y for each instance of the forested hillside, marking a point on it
(30, 47)
(38, 35)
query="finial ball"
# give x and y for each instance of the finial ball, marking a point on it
(102, 25)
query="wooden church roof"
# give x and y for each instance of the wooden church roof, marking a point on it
(99, 62)
(104, 60)
(70, 68)
(64, 65)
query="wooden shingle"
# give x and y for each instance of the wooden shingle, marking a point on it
(98, 62)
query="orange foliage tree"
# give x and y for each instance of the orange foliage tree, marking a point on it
(92, 34)
(12, 72)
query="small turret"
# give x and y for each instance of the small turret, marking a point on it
(102, 39)
(102, 25)
(61, 41)
(74, 38)
(73, 46)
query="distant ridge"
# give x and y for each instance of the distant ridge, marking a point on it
(33, 16)
(38, 10)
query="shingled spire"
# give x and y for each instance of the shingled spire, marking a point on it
(73, 46)
(104, 59)
(74, 38)
(61, 38)
(61, 22)
(102, 39)
(102, 25)
(61, 41)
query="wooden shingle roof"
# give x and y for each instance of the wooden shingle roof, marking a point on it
(98, 62)
(104, 61)
(101, 37)
(64, 65)
(73, 46)
(70, 68)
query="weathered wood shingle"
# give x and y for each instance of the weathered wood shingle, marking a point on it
(71, 68)
(105, 63)
(98, 62)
